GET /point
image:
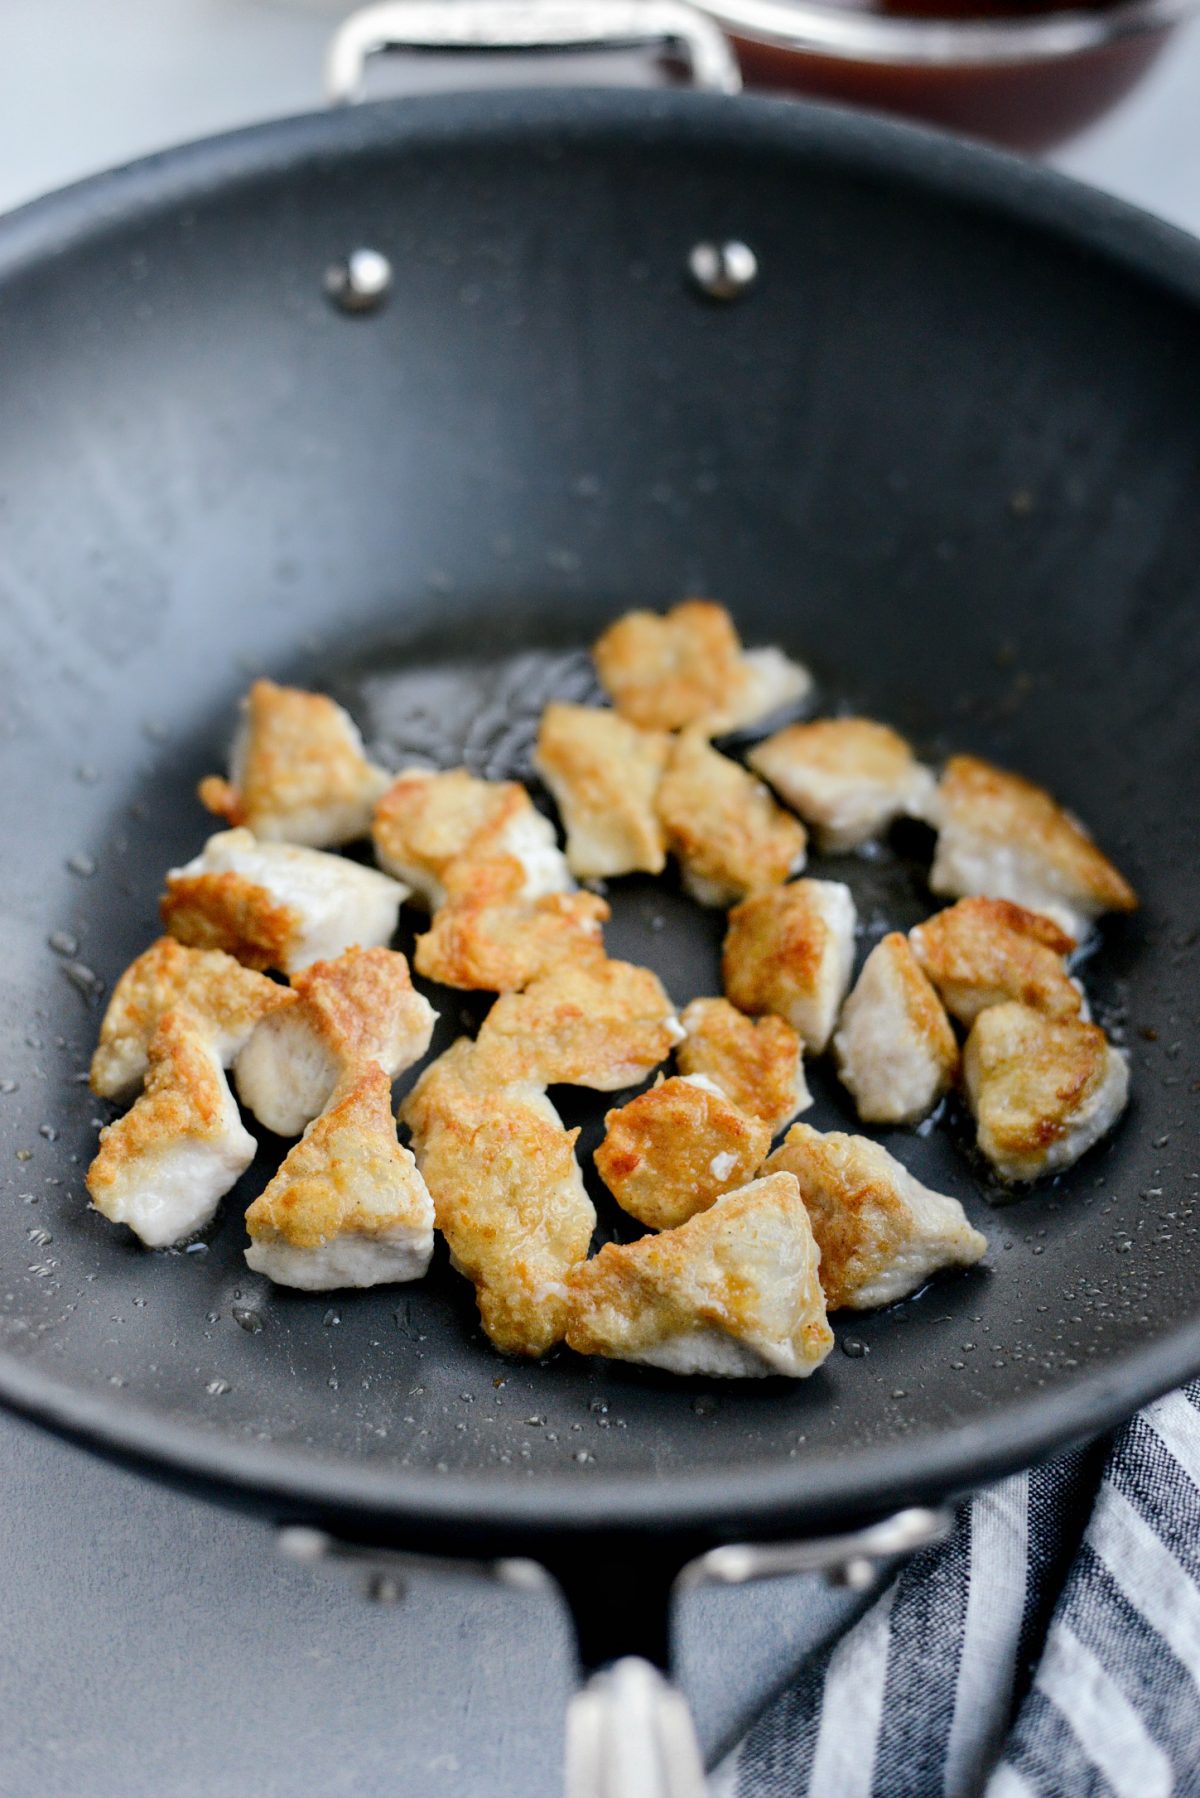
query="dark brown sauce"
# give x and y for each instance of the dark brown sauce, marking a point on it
(1026, 105)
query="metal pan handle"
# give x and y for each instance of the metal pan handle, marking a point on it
(500, 25)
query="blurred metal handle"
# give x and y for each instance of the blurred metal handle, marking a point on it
(499, 25)
(630, 1735)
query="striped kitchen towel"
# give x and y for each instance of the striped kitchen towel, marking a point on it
(1049, 1648)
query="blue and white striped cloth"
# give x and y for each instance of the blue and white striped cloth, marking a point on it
(1049, 1648)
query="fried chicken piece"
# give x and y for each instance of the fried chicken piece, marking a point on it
(728, 833)
(675, 1149)
(881, 1233)
(487, 938)
(756, 1062)
(732, 1292)
(603, 1024)
(347, 1207)
(1043, 1090)
(507, 1192)
(164, 1166)
(604, 774)
(1003, 837)
(895, 1050)
(790, 951)
(982, 952)
(274, 905)
(847, 777)
(689, 668)
(298, 772)
(228, 999)
(360, 1008)
(427, 821)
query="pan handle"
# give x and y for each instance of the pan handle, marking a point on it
(452, 25)
(629, 1730)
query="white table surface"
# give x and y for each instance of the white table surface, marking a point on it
(153, 1644)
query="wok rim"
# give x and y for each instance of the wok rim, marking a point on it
(481, 1510)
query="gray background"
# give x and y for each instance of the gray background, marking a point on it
(153, 1644)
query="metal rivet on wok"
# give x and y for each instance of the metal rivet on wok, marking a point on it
(361, 282)
(723, 271)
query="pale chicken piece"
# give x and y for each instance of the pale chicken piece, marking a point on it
(164, 1167)
(895, 1050)
(673, 1150)
(1043, 1090)
(770, 680)
(348, 1206)
(298, 772)
(756, 1062)
(507, 1192)
(881, 1233)
(1001, 836)
(426, 822)
(688, 667)
(276, 905)
(733, 1292)
(360, 1008)
(982, 952)
(486, 938)
(728, 833)
(847, 777)
(228, 999)
(603, 1024)
(603, 773)
(790, 951)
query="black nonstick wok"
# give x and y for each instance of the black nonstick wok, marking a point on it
(945, 447)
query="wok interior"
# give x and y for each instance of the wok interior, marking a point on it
(944, 458)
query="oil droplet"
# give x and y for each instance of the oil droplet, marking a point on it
(63, 943)
(48, 1131)
(196, 1248)
(114, 1379)
(42, 1238)
(83, 865)
(212, 1317)
(331, 1318)
(582, 1455)
(9, 1086)
(85, 980)
(248, 1319)
(535, 1423)
(856, 1349)
(218, 1388)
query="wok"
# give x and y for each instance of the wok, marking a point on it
(945, 447)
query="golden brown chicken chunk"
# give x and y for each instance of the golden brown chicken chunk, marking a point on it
(426, 822)
(734, 1291)
(728, 833)
(894, 1047)
(603, 1024)
(1001, 836)
(164, 1166)
(790, 951)
(604, 774)
(757, 1062)
(298, 773)
(981, 952)
(226, 998)
(360, 1008)
(1043, 1090)
(688, 668)
(847, 777)
(673, 1150)
(347, 1207)
(275, 905)
(507, 1192)
(487, 938)
(881, 1233)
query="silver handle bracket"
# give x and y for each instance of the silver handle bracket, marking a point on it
(512, 25)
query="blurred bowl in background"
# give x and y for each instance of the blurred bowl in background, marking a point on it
(1021, 75)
